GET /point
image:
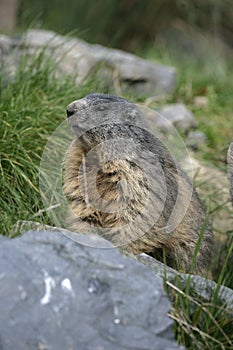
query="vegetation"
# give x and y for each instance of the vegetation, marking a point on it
(33, 105)
(126, 23)
(200, 324)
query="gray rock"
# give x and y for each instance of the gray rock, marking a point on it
(57, 294)
(195, 139)
(203, 288)
(5, 43)
(9, 60)
(125, 71)
(177, 115)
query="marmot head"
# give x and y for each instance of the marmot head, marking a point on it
(98, 110)
(111, 121)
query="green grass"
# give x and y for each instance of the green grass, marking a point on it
(200, 324)
(34, 104)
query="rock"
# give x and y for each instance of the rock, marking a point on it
(5, 43)
(194, 139)
(58, 294)
(125, 71)
(177, 115)
(200, 287)
(201, 101)
(169, 118)
(9, 61)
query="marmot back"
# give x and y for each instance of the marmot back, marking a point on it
(122, 183)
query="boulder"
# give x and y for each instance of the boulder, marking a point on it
(58, 294)
(169, 118)
(178, 115)
(194, 139)
(125, 71)
(201, 288)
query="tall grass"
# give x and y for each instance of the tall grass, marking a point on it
(31, 107)
(200, 324)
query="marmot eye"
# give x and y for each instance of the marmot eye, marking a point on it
(112, 173)
(101, 108)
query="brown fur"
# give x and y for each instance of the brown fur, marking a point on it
(120, 179)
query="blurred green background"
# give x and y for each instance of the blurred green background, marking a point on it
(127, 24)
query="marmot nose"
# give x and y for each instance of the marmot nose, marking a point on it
(69, 112)
(76, 106)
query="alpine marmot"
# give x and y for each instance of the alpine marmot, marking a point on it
(121, 182)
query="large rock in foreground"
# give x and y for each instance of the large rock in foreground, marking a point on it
(57, 294)
(117, 68)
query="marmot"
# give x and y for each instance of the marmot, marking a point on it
(122, 183)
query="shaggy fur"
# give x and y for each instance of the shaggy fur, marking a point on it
(124, 188)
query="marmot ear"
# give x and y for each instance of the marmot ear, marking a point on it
(230, 168)
(132, 115)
